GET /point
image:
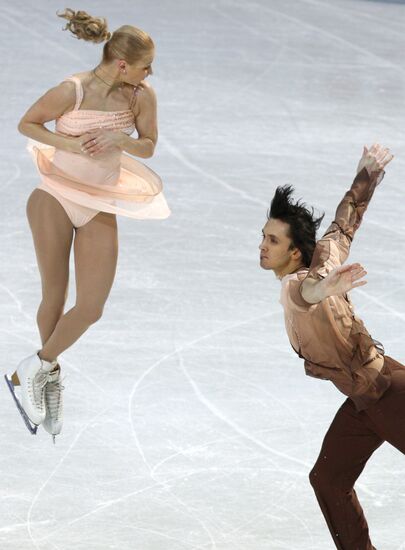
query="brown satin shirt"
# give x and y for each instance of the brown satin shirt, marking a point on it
(328, 335)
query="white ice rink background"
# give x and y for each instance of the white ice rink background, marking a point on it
(189, 422)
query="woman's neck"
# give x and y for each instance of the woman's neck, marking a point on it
(107, 78)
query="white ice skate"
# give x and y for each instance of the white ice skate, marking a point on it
(31, 376)
(53, 404)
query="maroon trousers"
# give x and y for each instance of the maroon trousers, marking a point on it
(350, 441)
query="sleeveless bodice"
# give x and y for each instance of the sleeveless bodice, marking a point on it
(111, 182)
(79, 121)
(76, 123)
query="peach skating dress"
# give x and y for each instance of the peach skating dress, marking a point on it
(113, 182)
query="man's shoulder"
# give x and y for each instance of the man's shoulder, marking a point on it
(291, 298)
(296, 276)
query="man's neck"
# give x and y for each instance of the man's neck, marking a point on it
(289, 270)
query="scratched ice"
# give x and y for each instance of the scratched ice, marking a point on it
(189, 423)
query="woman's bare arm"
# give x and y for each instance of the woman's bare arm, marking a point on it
(50, 106)
(146, 125)
(98, 141)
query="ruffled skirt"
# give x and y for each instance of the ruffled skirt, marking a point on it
(115, 183)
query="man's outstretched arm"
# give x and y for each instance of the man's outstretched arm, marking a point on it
(327, 276)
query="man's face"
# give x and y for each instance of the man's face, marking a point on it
(275, 249)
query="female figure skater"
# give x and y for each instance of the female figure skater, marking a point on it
(85, 181)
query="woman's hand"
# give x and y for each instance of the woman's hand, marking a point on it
(99, 141)
(374, 159)
(74, 145)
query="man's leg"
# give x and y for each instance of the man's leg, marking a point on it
(387, 416)
(348, 444)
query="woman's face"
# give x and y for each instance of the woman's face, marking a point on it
(139, 70)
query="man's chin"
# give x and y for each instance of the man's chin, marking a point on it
(265, 265)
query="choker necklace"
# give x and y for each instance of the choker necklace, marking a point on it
(109, 84)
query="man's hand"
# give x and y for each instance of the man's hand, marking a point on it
(343, 278)
(339, 281)
(374, 159)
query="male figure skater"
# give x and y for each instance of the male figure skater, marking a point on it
(335, 345)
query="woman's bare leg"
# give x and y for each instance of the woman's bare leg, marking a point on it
(96, 252)
(52, 233)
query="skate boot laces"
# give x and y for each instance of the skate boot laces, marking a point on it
(36, 389)
(53, 391)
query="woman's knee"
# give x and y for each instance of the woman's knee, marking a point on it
(90, 313)
(53, 302)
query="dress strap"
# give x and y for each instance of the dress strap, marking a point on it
(133, 97)
(79, 90)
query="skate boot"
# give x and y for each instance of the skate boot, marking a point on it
(53, 404)
(32, 376)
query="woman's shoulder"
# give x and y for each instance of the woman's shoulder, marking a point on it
(85, 75)
(69, 87)
(145, 92)
(70, 81)
(65, 89)
(145, 85)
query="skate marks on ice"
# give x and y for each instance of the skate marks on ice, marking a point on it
(164, 358)
(179, 155)
(273, 510)
(320, 30)
(381, 304)
(212, 475)
(189, 451)
(219, 414)
(37, 496)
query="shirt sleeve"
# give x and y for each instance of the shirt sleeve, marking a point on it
(333, 248)
(292, 299)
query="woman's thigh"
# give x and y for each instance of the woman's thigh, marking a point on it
(52, 233)
(96, 253)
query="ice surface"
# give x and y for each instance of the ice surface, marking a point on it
(189, 422)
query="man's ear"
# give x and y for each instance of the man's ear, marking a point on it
(296, 254)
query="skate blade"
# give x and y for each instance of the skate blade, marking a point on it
(31, 427)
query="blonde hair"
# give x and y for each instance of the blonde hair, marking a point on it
(84, 26)
(127, 42)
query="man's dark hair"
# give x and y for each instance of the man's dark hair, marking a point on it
(300, 218)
